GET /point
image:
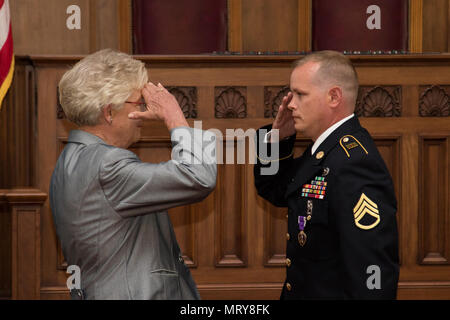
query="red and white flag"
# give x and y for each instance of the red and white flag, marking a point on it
(6, 50)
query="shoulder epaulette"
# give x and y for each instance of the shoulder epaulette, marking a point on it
(349, 142)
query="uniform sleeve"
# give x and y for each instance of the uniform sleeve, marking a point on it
(271, 170)
(134, 188)
(364, 207)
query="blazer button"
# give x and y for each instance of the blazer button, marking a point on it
(288, 236)
(288, 286)
(288, 262)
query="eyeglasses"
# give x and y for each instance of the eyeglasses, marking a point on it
(142, 105)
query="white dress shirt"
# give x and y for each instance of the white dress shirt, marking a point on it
(320, 139)
(327, 132)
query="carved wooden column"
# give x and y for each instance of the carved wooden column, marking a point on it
(25, 206)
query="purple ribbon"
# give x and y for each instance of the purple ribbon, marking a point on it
(301, 222)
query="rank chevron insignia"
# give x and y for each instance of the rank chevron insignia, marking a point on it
(365, 205)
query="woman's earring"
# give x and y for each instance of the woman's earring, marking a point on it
(110, 120)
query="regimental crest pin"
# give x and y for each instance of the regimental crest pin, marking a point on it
(363, 207)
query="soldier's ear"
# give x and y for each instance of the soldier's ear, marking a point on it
(334, 97)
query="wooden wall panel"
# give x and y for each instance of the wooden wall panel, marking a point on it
(124, 11)
(107, 19)
(415, 25)
(39, 27)
(17, 168)
(235, 25)
(5, 247)
(389, 148)
(230, 218)
(275, 231)
(434, 213)
(261, 18)
(436, 26)
(25, 242)
(304, 25)
(26, 259)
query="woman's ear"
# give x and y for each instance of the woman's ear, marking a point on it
(107, 114)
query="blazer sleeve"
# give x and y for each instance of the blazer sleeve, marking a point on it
(365, 208)
(135, 188)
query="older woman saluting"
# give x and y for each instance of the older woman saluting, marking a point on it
(108, 206)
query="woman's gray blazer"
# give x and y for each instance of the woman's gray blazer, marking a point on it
(109, 210)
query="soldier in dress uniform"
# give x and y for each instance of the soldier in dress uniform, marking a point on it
(342, 240)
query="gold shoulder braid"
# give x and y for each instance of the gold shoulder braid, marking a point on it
(350, 143)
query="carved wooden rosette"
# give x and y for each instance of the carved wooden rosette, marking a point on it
(187, 99)
(379, 101)
(434, 101)
(230, 102)
(273, 96)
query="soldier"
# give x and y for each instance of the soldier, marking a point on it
(342, 240)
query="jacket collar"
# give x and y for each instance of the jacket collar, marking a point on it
(80, 136)
(348, 127)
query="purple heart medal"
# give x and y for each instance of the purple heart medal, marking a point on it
(302, 234)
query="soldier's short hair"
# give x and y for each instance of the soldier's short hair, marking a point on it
(334, 69)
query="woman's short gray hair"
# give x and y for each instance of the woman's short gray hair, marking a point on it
(107, 77)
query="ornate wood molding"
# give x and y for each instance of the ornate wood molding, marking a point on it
(187, 99)
(230, 102)
(273, 97)
(434, 101)
(379, 101)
